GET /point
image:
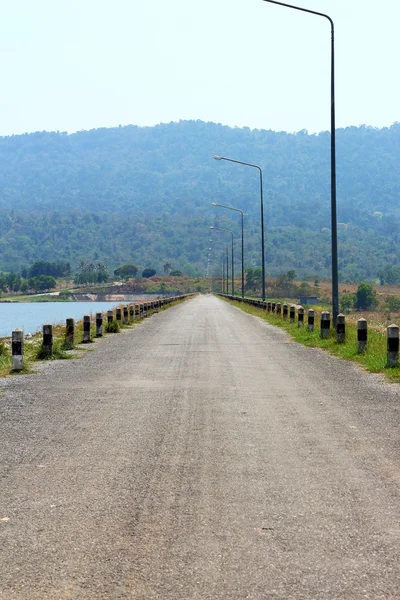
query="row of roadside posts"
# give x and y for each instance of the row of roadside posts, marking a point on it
(289, 313)
(125, 315)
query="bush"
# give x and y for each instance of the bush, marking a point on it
(393, 303)
(112, 327)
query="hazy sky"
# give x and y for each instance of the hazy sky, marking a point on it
(78, 64)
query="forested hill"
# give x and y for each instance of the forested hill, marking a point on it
(144, 194)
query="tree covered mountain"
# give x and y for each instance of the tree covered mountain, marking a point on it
(144, 194)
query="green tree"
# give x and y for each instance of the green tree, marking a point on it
(126, 271)
(148, 272)
(176, 273)
(167, 267)
(365, 297)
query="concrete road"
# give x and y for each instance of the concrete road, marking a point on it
(201, 455)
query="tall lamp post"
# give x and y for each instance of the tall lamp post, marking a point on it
(239, 162)
(233, 277)
(241, 212)
(335, 277)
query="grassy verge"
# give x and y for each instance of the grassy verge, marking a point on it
(33, 346)
(373, 360)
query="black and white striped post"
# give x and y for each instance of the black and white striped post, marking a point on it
(69, 332)
(392, 346)
(99, 324)
(362, 335)
(310, 319)
(300, 317)
(341, 329)
(47, 344)
(17, 349)
(325, 324)
(292, 313)
(86, 329)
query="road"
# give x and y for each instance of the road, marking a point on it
(200, 455)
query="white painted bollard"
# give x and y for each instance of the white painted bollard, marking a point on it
(310, 319)
(325, 324)
(393, 346)
(362, 335)
(17, 349)
(99, 324)
(69, 332)
(86, 329)
(47, 339)
(341, 329)
(292, 313)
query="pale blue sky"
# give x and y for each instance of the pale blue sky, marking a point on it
(79, 64)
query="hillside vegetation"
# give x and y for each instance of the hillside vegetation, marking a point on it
(144, 194)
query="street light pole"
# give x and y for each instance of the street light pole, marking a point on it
(335, 277)
(239, 162)
(233, 276)
(241, 212)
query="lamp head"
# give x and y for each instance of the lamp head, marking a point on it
(211, 227)
(213, 204)
(217, 157)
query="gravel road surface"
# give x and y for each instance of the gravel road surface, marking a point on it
(199, 455)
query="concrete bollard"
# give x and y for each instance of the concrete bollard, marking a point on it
(137, 311)
(285, 311)
(273, 307)
(362, 335)
(86, 329)
(126, 315)
(341, 329)
(269, 306)
(145, 310)
(300, 317)
(393, 346)
(131, 313)
(47, 339)
(99, 324)
(110, 316)
(292, 313)
(118, 315)
(310, 318)
(17, 349)
(325, 324)
(278, 308)
(70, 332)
(141, 310)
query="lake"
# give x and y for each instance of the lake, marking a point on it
(30, 316)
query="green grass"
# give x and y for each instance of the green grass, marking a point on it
(373, 360)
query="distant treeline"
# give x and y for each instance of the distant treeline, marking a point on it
(143, 195)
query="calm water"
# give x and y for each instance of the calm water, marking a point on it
(30, 316)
